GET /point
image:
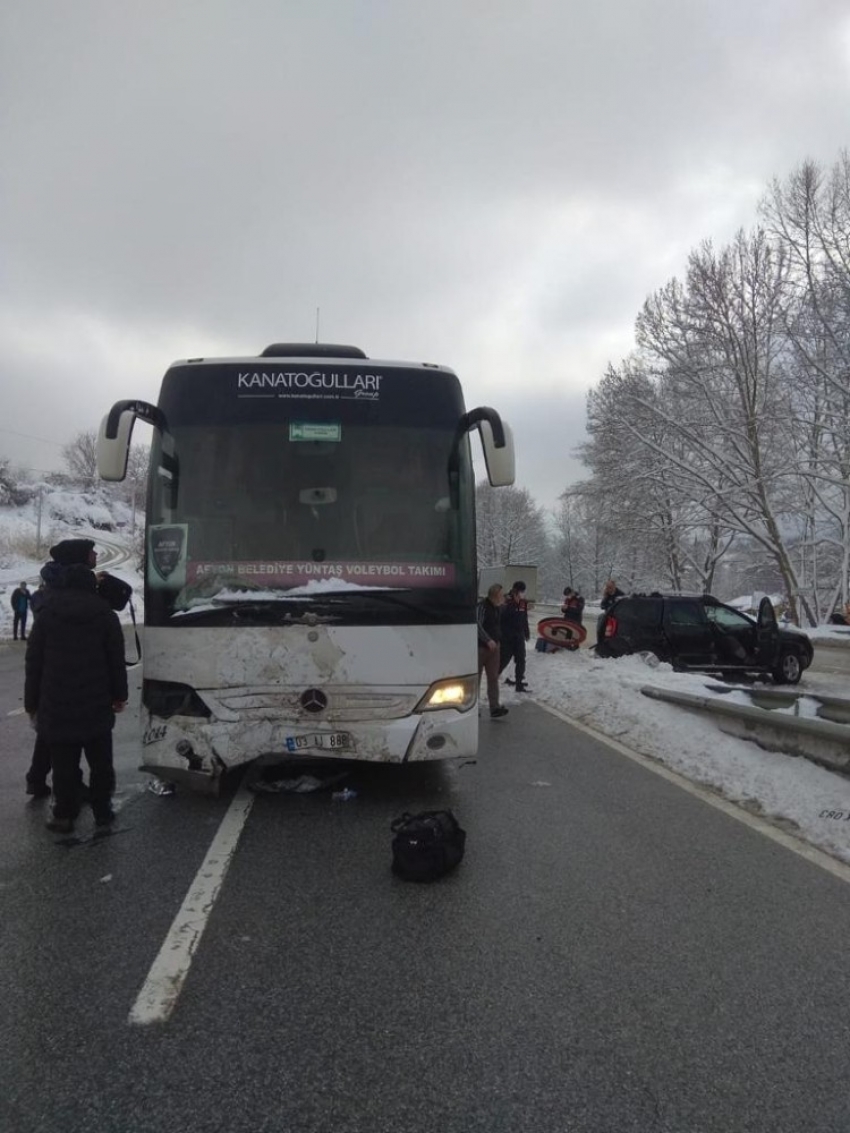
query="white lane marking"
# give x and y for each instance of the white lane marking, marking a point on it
(159, 993)
(803, 849)
(16, 712)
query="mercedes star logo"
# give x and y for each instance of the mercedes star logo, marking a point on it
(314, 700)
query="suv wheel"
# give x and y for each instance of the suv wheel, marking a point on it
(789, 670)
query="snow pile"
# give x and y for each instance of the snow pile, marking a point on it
(93, 509)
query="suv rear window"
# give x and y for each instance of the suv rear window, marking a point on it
(638, 611)
(685, 613)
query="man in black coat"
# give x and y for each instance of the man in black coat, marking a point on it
(76, 681)
(53, 573)
(489, 638)
(610, 593)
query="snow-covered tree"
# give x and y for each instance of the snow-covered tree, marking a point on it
(510, 527)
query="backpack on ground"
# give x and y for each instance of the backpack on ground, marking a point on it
(426, 845)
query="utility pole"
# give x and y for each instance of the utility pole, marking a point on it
(38, 524)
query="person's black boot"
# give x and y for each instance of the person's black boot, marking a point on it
(38, 790)
(61, 825)
(497, 712)
(103, 821)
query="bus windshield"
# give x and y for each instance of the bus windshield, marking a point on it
(268, 519)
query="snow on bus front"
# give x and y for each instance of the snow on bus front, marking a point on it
(330, 676)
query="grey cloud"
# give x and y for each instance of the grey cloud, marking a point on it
(161, 159)
(210, 173)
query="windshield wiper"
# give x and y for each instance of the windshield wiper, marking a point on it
(358, 598)
(225, 612)
(317, 608)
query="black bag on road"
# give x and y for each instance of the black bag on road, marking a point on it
(426, 845)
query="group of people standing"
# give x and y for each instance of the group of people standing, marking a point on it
(502, 634)
(75, 683)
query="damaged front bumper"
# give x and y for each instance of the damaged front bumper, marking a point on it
(196, 752)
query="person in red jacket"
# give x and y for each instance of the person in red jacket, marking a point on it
(572, 606)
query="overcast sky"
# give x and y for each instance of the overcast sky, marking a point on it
(495, 186)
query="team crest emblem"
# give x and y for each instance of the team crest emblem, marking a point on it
(167, 550)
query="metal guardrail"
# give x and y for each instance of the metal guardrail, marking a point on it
(823, 741)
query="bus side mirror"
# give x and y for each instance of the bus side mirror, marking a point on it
(112, 452)
(499, 459)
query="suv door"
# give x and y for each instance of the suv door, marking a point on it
(688, 632)
(767, 635)
(735, 636)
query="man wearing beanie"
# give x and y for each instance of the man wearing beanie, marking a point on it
(72, 551)
(64, 554)
(76, 681)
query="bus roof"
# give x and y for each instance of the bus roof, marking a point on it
(312, 352)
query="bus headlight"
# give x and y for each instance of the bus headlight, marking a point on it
(457, 692)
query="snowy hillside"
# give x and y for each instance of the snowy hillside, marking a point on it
(28, 531)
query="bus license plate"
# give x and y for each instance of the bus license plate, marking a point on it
(324, 741)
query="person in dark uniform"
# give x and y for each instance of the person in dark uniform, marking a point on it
(76, 680)
(515, 633)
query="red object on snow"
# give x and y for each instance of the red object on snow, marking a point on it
(561, 632)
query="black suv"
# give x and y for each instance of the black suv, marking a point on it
(701, 633)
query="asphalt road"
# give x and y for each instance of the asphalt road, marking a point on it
(612, 955)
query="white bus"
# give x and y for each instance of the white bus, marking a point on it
(310, 573)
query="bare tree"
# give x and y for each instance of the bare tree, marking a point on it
(80, 456)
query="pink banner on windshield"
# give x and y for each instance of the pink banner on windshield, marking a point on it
(300, 573)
